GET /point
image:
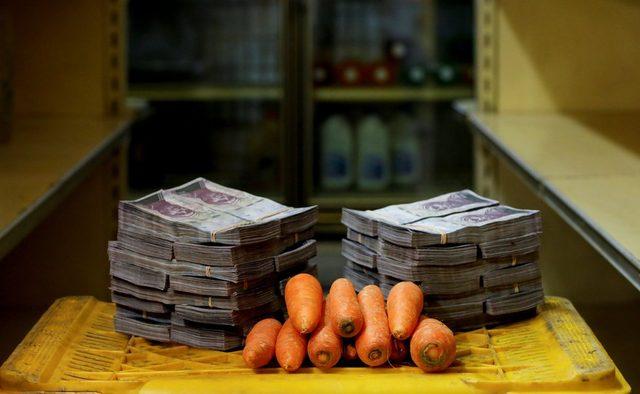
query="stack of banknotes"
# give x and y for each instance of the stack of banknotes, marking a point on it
(199, 264)
(475, 259)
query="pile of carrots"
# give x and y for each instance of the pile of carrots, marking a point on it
(350, 326)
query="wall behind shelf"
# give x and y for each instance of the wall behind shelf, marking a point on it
(536, 55)
(67, 56)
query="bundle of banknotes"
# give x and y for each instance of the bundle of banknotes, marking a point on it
(199, 264)
(475, 259)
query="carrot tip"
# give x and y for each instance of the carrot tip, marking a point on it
(398, 334)
(323, 357)
(375, 354)
(250, 355)
(347, 327)
(432, 354)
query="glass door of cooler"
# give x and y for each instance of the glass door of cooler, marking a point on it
(384, 75)
(211, 73)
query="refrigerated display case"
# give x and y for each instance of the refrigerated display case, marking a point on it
(212, 74)
(384, 75)
(250, 94)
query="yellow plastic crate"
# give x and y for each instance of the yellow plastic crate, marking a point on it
(74, 347)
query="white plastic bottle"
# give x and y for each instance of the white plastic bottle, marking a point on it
(374, 161)
(336, 153)
(407, 159)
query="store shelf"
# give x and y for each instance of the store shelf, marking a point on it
(391, 94)
(585, 165)
(43, 161)
(202, 92)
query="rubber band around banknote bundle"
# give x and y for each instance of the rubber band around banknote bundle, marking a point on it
(443, 238)
(207, 271)
(215, 233)
(514, 260)
(144, 314)
(516, 288)
(210, 302)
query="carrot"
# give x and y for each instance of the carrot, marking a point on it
(291, 347)
(349, 352)
(325, 346)
(398, 351)
(261, 343)
(404, 306)
(374, 342)
(303, 297)
(346, 317)
(433, 346)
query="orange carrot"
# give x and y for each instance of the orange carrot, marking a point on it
(346, 317)
(398, 351)
(433, 346)
(261, 343)
(349, 352)
(291, 347)
(374, 342)
(325, 346)
(303, 296)
(404, 306)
